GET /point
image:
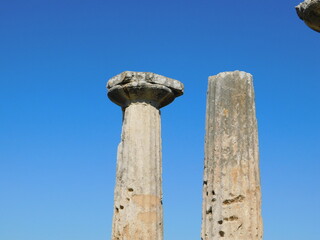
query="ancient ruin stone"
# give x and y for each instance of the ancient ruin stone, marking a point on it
(309, 12)
(138, 191)
(231, 187)
(131, 87)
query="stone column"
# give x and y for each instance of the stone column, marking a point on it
(138, 191)
(309, 12)
(231, 187)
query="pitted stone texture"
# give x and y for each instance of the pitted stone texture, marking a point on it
(309, 12)
(231, 188)
(138, 192)
(157, 90)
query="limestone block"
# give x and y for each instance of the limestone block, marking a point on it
(231, 188)
(309, 12)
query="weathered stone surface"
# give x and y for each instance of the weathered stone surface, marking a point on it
(231, 186)
(309, 12)
(138, 191)
(128, 87)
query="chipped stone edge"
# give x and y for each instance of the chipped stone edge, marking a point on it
(241, 74)
(146, 77)
(304, 7)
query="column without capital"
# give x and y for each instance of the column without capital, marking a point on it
(231, 187)
(138, 191)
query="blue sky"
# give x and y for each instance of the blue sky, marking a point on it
(59, 132)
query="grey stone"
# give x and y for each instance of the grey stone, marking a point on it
(309, 12)
(231, 188)
(128, 87)
(138, 192)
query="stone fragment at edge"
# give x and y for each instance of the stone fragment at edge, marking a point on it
(309, 12)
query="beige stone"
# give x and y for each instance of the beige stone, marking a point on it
(138, 193)
(231, 187)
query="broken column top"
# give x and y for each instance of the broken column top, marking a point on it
(309, 12)
(225, 75)
(128, 87)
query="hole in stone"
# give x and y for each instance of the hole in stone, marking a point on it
(128, 199)
(239, 198)
(207, 193)
(213, 193)
(130, 189)
(220, 222)
(209, 210)
(121, 207)
(221, 233)
(233, 218)
(117, 210)
(205, 182)
(213, 200)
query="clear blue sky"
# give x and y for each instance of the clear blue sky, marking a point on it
(59, 132)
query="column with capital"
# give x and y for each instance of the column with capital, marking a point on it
(138, 191)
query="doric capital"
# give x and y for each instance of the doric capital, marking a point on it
(129, 87)
(309, 12)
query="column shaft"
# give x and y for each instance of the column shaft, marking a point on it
(231, 190)
(138, 192)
